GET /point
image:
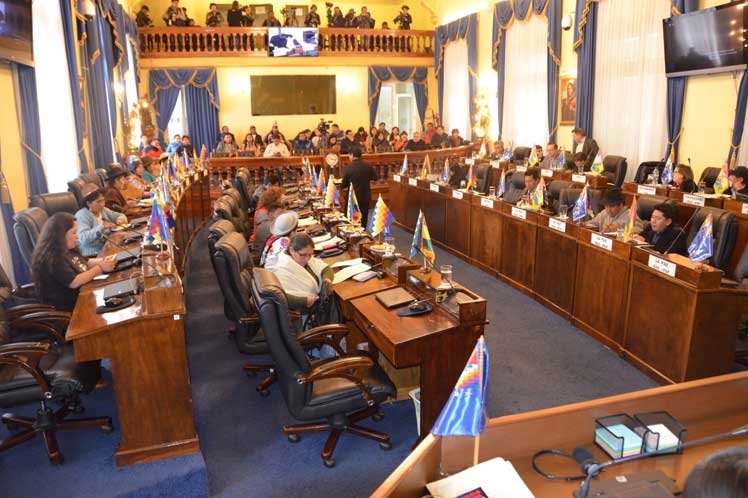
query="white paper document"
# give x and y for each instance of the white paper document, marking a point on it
(321, 238)
(350, 262)
(305, 222)
(320, 246)
(497, 478)
(349, 272)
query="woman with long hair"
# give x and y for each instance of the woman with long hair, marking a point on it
(401, 142)
(394, 135)
(57, 266)
(93, 218)
(370, 139)
(250, 145)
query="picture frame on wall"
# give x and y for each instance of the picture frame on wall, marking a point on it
(567, 95)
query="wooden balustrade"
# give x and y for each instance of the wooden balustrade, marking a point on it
(386, 164)
(228, 42)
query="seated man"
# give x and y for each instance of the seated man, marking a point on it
(274, 131)
(721, 474)
(174, 145)
(228, 146)
(615, 215)
(532, 182)
(663, 232)
(578, 162)
(348, 143)
(440, 140)
(738, 179)
(302, 142)
(498, 150)
(277, 148)
(550, 160)
(186, 148)
(455, 140)
(416, 143)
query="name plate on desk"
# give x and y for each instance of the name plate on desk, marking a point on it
(694, 200)
(579, 178)
(557, 225)
(548, 173)
(643, 189)
(521, 169)
(744, 209)
(495, 163)
(412, 182)
(434, 187)
(195, 176)
(486, 202)
(519, 213)
(602, 242)
(661, 265)
(396, 178)
(457, 194)
(469, 161)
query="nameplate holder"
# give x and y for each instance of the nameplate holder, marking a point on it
(495, 163)
(519, 213)
(470, 161)
(434, 187)
(579, 178)
(744, 209)
(396, 178)
(521, 169)
(694, 200)
(457, 194)
(548, 173)
(557, 225)
(195, 176)
(412, 182)
(602, 242)
(485, 202)
(661, 265)
(643, 189)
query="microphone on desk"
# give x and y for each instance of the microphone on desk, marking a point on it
(136, 256)
(681, 231)
(591, 467)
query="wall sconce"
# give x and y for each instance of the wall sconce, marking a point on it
(567, 21)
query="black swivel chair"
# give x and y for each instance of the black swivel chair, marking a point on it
(614, 169)
(27, 228)
(645, 169)
(484, 174)
(515, 188)
(724, 231)
(223, 209)
(645, 204)
(554, 193)
(709, 176)
(240, 216)
(243, 184)
(343, 391)
(519, 154)
(58, 202)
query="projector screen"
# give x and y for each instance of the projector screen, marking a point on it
(286, 95)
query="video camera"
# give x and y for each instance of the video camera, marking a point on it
(329, 12)
(323, 125)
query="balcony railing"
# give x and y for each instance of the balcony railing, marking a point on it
(240, 42)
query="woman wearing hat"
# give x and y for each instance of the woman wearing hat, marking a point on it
(615, 215)
(93, 219)
(116, 178)
(281, 231)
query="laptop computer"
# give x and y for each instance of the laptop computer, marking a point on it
(120, 289)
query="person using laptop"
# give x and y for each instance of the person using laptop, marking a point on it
(58, 268)
(94, 219)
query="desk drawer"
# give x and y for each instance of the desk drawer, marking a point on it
(374, 335)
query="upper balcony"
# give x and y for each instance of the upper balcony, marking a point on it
(414, 46)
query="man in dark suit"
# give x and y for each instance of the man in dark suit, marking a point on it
(589, 148)
(358, 175)
(663, 232)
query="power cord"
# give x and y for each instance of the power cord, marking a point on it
(549, 476)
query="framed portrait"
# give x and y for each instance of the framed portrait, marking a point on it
(567, 93)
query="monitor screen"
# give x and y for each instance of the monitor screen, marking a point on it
(293, 42)
(706, 41)
(15, 31)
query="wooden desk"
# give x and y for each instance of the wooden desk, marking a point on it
(705, 407)
(556, 263)
(519, 235)
(485, 233)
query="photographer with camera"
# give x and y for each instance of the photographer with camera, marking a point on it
(175, 15)
(403, 20)
(213, 18)
(312, 19)
(289, 18)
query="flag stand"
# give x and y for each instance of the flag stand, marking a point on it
(425, 268)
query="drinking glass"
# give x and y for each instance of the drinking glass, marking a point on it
(563, 211)
(389, 246)
(492, 191)
(463, 184)
(446, 273)
(702, 187)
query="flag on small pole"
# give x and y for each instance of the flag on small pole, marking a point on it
(533, 161)
(321, 181)
(628, 231)
(702, 246)
(313, 177)
(597, 164)
(381, 219)
(353, 211)
(422, 242)
(331, 195)
(583, 205)
(562, 159)
(537, 196)
(426, 170)
(404, 169)
(472, 180)
(502, 184)
(445, 171)
(721, 184)
(667, 172)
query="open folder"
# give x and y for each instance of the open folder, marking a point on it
(495, 478)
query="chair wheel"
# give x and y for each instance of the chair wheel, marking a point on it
(378, 417)
(107, 428)
(329, 462)
(12, 427)
(385, 445)
(264, 393)
(293, 438)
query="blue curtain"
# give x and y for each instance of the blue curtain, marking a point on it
(202, 107)
(463, 28)
(553, 13)
(739, 124)
(585, 34)
(21, 272)
(378, 74)
(71, 48)
(502, 18)
(31, 138)
(112, 56)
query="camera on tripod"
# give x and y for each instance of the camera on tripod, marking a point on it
(323, 125)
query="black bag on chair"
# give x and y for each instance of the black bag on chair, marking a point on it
(326, 311)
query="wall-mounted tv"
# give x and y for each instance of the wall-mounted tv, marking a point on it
(706, 41)
(15, 31)
(293, 42)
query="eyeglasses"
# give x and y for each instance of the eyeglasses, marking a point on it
(307, 254)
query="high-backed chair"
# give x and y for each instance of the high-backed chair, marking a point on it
(57, 202)
(222, 209)
(217, 229)
(243, 184)
(27, 228)
(569, 196)
(709, 176)
(483, 172)
(234, 200)
(614, 169)
(645, 204)
(645, 169)
(515, 187)
(554, 193)
(519, 154)
(724, 231)
(342, 391)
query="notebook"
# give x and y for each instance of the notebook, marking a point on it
(393, 298)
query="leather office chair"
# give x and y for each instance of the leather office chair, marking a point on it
(519, 154)
(709, 176)
(645, 204)
(27, 227)
(724, 230)
(243, 184)
(553, 193)
(515, 188)
(569, 196)
(47, 373)
(75, 186)
(240, 216)
(614, 169)
(343, 391)
(645, 169)
(483, 173)
(222, 209)
(55, 203)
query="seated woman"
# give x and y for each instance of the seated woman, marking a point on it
(723, 474)
(283, 226)
(370, 139)
(268, 208)
(57, 266)
(137, 170)
(401, 143)
(663, 232)
(360, 136)
(683, 179)
(93, 219)
(333, 145)
(250, 145)
(300, 273)
(380, 143)
(394, 136)
(116, 178)
(455, 140)
(152, 169)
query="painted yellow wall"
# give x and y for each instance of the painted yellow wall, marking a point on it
(10, 140)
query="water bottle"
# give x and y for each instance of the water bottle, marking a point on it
(656, 176)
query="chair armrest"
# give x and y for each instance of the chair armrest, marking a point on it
(350, 368)
(51, 322)
(324, 334)
(26, 355)
(25, 291)
(25, 309)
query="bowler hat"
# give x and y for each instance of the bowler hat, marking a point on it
(88, 189)
(613, 196)
(114, 170)
(285, 224)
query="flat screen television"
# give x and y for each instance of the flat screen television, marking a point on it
(15, 31)
(293, 42)
(706, 41)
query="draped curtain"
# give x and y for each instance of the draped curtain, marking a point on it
(630, 97)
(202, 101)
(585, 34)
(378, 74)
(737, 154)
(464, 28)
(30, 133)
(456, 115)
(18, 272)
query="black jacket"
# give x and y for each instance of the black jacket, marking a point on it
(347, 146)
(359, 174)
(415, 146)
(234, 17)
(666, 239)
(589, 149)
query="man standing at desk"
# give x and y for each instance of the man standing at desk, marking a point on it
(589, 148)
(358, 175)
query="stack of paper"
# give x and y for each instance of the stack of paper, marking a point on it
(350, 271)
(495, 478)
(305, 222)
(321, 245)
(667, 439)
(609, 439)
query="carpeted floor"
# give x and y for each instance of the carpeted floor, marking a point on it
(537, 359)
